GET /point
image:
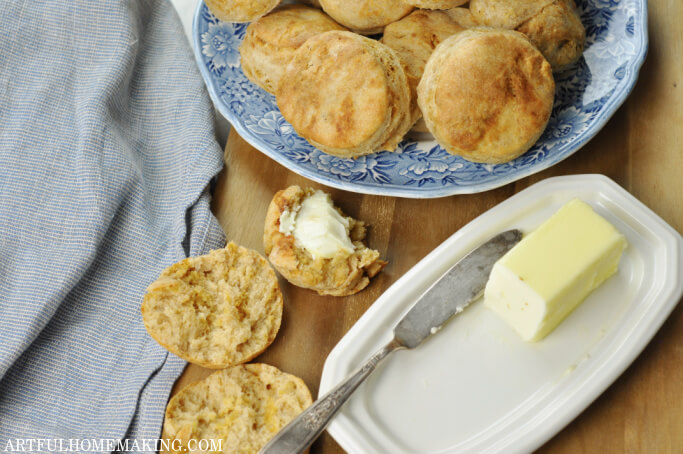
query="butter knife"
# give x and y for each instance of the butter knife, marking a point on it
(449, 295)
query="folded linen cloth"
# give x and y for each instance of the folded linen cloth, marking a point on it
(107, 150)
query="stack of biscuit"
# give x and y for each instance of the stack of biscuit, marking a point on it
(553, 26)
(269, 43)
(350, 95)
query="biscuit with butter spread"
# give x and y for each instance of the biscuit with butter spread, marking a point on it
(243, 407)
(346, 94)
(486, 94)
(314, 245)
(215, 310)
(240, 10)
(270, 42)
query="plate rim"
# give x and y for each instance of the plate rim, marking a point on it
(342, 428)
(632, 70)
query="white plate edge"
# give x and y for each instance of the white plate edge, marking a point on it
(341, 427)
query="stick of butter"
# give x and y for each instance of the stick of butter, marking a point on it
(551, 271)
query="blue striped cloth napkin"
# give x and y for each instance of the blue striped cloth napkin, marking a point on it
(107, 151)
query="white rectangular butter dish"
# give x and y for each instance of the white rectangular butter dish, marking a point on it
(476, 386)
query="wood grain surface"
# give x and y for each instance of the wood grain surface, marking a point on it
(640, 148)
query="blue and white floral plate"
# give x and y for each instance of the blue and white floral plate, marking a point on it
(587, 96)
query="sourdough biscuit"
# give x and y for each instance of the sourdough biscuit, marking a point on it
(270, 42)
(505, 13)
(215, 310)
(240, 10)
(557, 32)
(346, 94)
(486, 94)
(365, 16)
(436, 4)
(414, 38)
(462, 17)
(243, 406)
(345, 273)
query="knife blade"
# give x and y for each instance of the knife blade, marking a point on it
(453, 291)
(449, 295)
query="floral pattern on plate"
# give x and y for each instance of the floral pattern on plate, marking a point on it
(587, 95)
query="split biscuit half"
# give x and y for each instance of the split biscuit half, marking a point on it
(215, 310)
(243, 407)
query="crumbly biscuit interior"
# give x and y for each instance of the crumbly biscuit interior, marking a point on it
(244, 406)
(219, 309)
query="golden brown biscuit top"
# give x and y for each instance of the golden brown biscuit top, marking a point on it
(291, 25)
(365, 15)
(505, 13)
(334, 90)
(500, 90)
(416, 36)
(240, 10)
(557, 32)
(463, 17)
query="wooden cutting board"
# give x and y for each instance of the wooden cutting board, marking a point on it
(640, 148)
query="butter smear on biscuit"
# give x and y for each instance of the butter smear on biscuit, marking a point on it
(551, 271)
(317, 227)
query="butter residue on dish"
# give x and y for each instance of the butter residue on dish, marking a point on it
(552, 270)
(314, 245)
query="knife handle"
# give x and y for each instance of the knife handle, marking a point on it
(298, 435)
